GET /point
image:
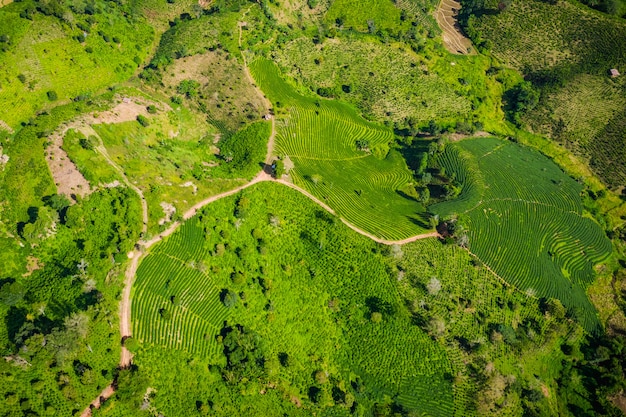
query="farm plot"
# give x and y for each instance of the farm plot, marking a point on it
(342, 159)
(307, 286)
(386, 83)
(534, 36)
(528, 223)
(177, 306)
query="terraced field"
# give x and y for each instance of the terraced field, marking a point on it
(320, 137)
(197, 314)
(525, 220)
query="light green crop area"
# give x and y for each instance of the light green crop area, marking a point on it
(322, 137)
(524, 219)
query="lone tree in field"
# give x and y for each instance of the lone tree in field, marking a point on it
(433, 286)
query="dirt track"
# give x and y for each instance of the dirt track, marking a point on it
(143, 245)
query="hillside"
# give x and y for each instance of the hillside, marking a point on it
(312, 208)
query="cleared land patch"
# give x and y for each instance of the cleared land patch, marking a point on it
(323, 138)
(453, 38)
(224, 90)
(524, 219)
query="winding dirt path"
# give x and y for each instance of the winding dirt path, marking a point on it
(142, 246)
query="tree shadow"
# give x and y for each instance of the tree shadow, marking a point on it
(420, 219)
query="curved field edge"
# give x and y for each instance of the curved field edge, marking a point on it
(524, 218)
(284, 251)
(342, 159)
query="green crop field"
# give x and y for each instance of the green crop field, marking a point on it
(566, 50)
(524, 218)
(385, 83)
(534, 35)
(320, 137)
(303, 288)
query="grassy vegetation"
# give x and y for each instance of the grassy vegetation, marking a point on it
(90, 163)
(526, 221)
(172, 161)
(367, 16)
(322, 138)
(224, 91)
(57, 50)
(308, 287)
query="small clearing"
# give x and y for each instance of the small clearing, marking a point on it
(5, 2)
(67, 177)
(223, 87)
(169, 211)
(453, 38)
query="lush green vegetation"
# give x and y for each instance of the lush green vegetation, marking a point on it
(365, 184)
(265, 304)
(71, 49)
(309, 290)
(383, 82)
(523, 217)
(60, 342)
(566, 51)
(174, 161)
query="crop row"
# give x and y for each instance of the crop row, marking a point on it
(321, 138)
(326, 135)
(520, 173)
(190, 299)
(538, 248)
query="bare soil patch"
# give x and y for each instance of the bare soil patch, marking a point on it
(5, 2)
(3, 124)
(32, 264)
(229, 96)
(619, 401)
(453, 38)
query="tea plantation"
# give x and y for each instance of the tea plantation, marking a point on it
(342, 159)
(524, 218)
(272, 262)
(312, 208)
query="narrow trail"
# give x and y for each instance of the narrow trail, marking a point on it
(144, 205)
(142, 246)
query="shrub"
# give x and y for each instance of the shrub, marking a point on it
(85, 144)
(189, 88)
(151, 109)
(52, 95)
(143, 120)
